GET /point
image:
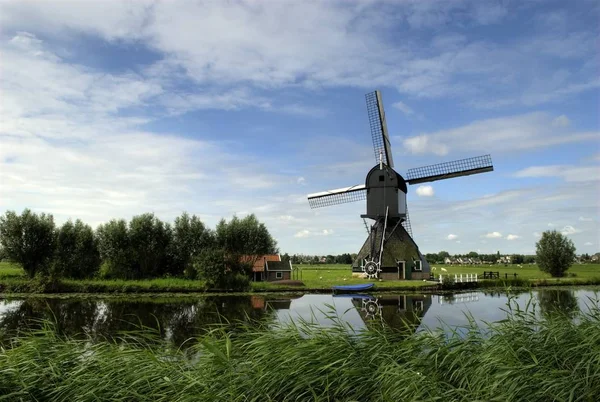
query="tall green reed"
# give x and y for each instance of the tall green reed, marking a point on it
(526, 357)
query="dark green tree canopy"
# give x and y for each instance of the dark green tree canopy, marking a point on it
(77, 254)
(115, 249)
(28, 239)
(190, 237)
(149, 239)
(245, 236)
(555, 253)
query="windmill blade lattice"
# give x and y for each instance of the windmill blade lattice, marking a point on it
(406, 224)
(340, 196)
(447, 170)
(379, 134)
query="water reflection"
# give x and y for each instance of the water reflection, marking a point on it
(178, 319)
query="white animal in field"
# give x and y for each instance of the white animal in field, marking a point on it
(344, 278)
(320, 277)
(433, 268)
(444, 269)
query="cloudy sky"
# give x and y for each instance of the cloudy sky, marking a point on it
(110, 109)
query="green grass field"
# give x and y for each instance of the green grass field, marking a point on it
(322, 276)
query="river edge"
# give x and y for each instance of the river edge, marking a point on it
(512, 285)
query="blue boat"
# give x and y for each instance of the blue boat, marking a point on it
(353, 288)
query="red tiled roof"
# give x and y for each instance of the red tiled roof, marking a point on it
(259, 263)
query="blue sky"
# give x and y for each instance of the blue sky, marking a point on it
(110, 109)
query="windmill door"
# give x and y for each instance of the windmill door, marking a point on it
(402, 270)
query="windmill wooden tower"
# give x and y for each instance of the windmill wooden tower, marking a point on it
(390, 251)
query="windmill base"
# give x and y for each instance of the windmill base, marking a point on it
(401, 258)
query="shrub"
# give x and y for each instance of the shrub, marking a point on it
(77, 254)
(555, 253)
(221, 271)
(28, 239)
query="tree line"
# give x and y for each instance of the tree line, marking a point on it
(145, 247)
(438, 258)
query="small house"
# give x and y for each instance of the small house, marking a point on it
(271, 268)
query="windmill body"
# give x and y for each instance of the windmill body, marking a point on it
(390, 251)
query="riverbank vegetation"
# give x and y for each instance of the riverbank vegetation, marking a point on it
(525, 357)
(314, 277)
(143, 248)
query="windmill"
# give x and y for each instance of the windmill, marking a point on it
(390, 251)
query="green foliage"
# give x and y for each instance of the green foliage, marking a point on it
(521, 358)
(115, 249)
(555, 253)
(77, 254)
(190, 237)
(29, 240)
(245, 236)
(149, 240)
(220, 270)
(210, 266)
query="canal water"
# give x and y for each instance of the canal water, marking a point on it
(176, 319)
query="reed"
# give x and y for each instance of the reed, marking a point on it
(525, 357)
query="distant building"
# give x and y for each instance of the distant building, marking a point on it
(270, 268)
(505, 259)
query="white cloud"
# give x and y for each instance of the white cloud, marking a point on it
(423, 144)
(584, 219)
(565, 172)
(404, 108)
(561, 121)
(301, 180)
(451, 236)
(493, 235)
(588, 243)
(512, 237)
(537, 234)
(425, 191)
(302, 233)
(514, 133)
(310, 233)
(333, 44)
(569, 230)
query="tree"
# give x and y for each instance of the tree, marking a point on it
(190, 237)
(245, 236)
(149, 240)
(28, 239)
(443, 255)
(115, 249)
(554, 253)
(77, 254)
(473, 254)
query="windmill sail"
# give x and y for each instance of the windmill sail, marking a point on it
(379, 133)
(447, 170)
(338, 196)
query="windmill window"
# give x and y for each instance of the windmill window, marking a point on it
(381, 178)
(418, 266)
(278, 275)
(418, 305)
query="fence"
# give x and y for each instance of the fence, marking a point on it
(458, 278)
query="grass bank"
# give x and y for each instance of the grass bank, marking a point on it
(523, 358)
(317, 278)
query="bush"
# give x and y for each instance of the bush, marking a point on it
(220, 271)
(555, 253)
(77, 254)
(29, 240)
